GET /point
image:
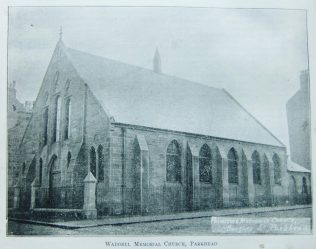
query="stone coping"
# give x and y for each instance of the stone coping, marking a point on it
(56, 210)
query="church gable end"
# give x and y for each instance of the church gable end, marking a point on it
(58, 121)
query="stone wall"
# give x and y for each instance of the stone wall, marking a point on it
(17, 121)
(298, 194)
(190, 194)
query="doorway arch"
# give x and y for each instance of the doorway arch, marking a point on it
(53, 181)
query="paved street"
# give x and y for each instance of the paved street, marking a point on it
(200, 226)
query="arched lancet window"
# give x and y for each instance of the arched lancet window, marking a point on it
(23, 168)
(56, 130)
(256, 169)
(45, 130)
(205, 164)
(304, 186)
(218, 163)
(232, 166)
(53, 180)
(173, 162)
(100, 163)
(40, 171)
(67, 119)
(67, 86)
(277, 169)
(93, 164)
(53, 166)
(68, 159)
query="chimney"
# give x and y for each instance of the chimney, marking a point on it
(157, 62)
(28, 106)
(304, 79)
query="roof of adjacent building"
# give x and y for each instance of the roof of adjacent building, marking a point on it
(139, 96)
(294, 167)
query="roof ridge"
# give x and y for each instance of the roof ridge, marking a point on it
(145, 69)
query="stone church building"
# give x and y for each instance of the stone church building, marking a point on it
(114, 138)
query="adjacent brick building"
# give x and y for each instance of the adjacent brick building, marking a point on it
(154, 143)
(298, 115)
(18, 117)
(299, 164)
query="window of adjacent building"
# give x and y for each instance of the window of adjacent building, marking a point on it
(205, 164)
(45, 123)
(173, 162)
(68, 159)
(256, 168)
(56, 130)
(93, 163)
(277, 169)
(304, 186)
(40, 171)
(67, 119)
(100, 163)
(232, 166)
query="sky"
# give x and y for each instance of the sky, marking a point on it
(255, 54)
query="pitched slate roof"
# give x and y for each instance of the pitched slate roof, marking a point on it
(138, 96)
(294, 167)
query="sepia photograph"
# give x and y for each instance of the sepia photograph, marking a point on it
(155, 121)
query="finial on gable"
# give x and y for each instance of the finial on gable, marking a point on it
(61, 33)
(157, 62)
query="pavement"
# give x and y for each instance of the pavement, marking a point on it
(106, 221)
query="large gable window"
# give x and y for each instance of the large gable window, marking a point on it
(173, 162)
(45, 128)
(205, 164)
(56, 130)
(256, 170)
(232, 166)
(67, 119)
